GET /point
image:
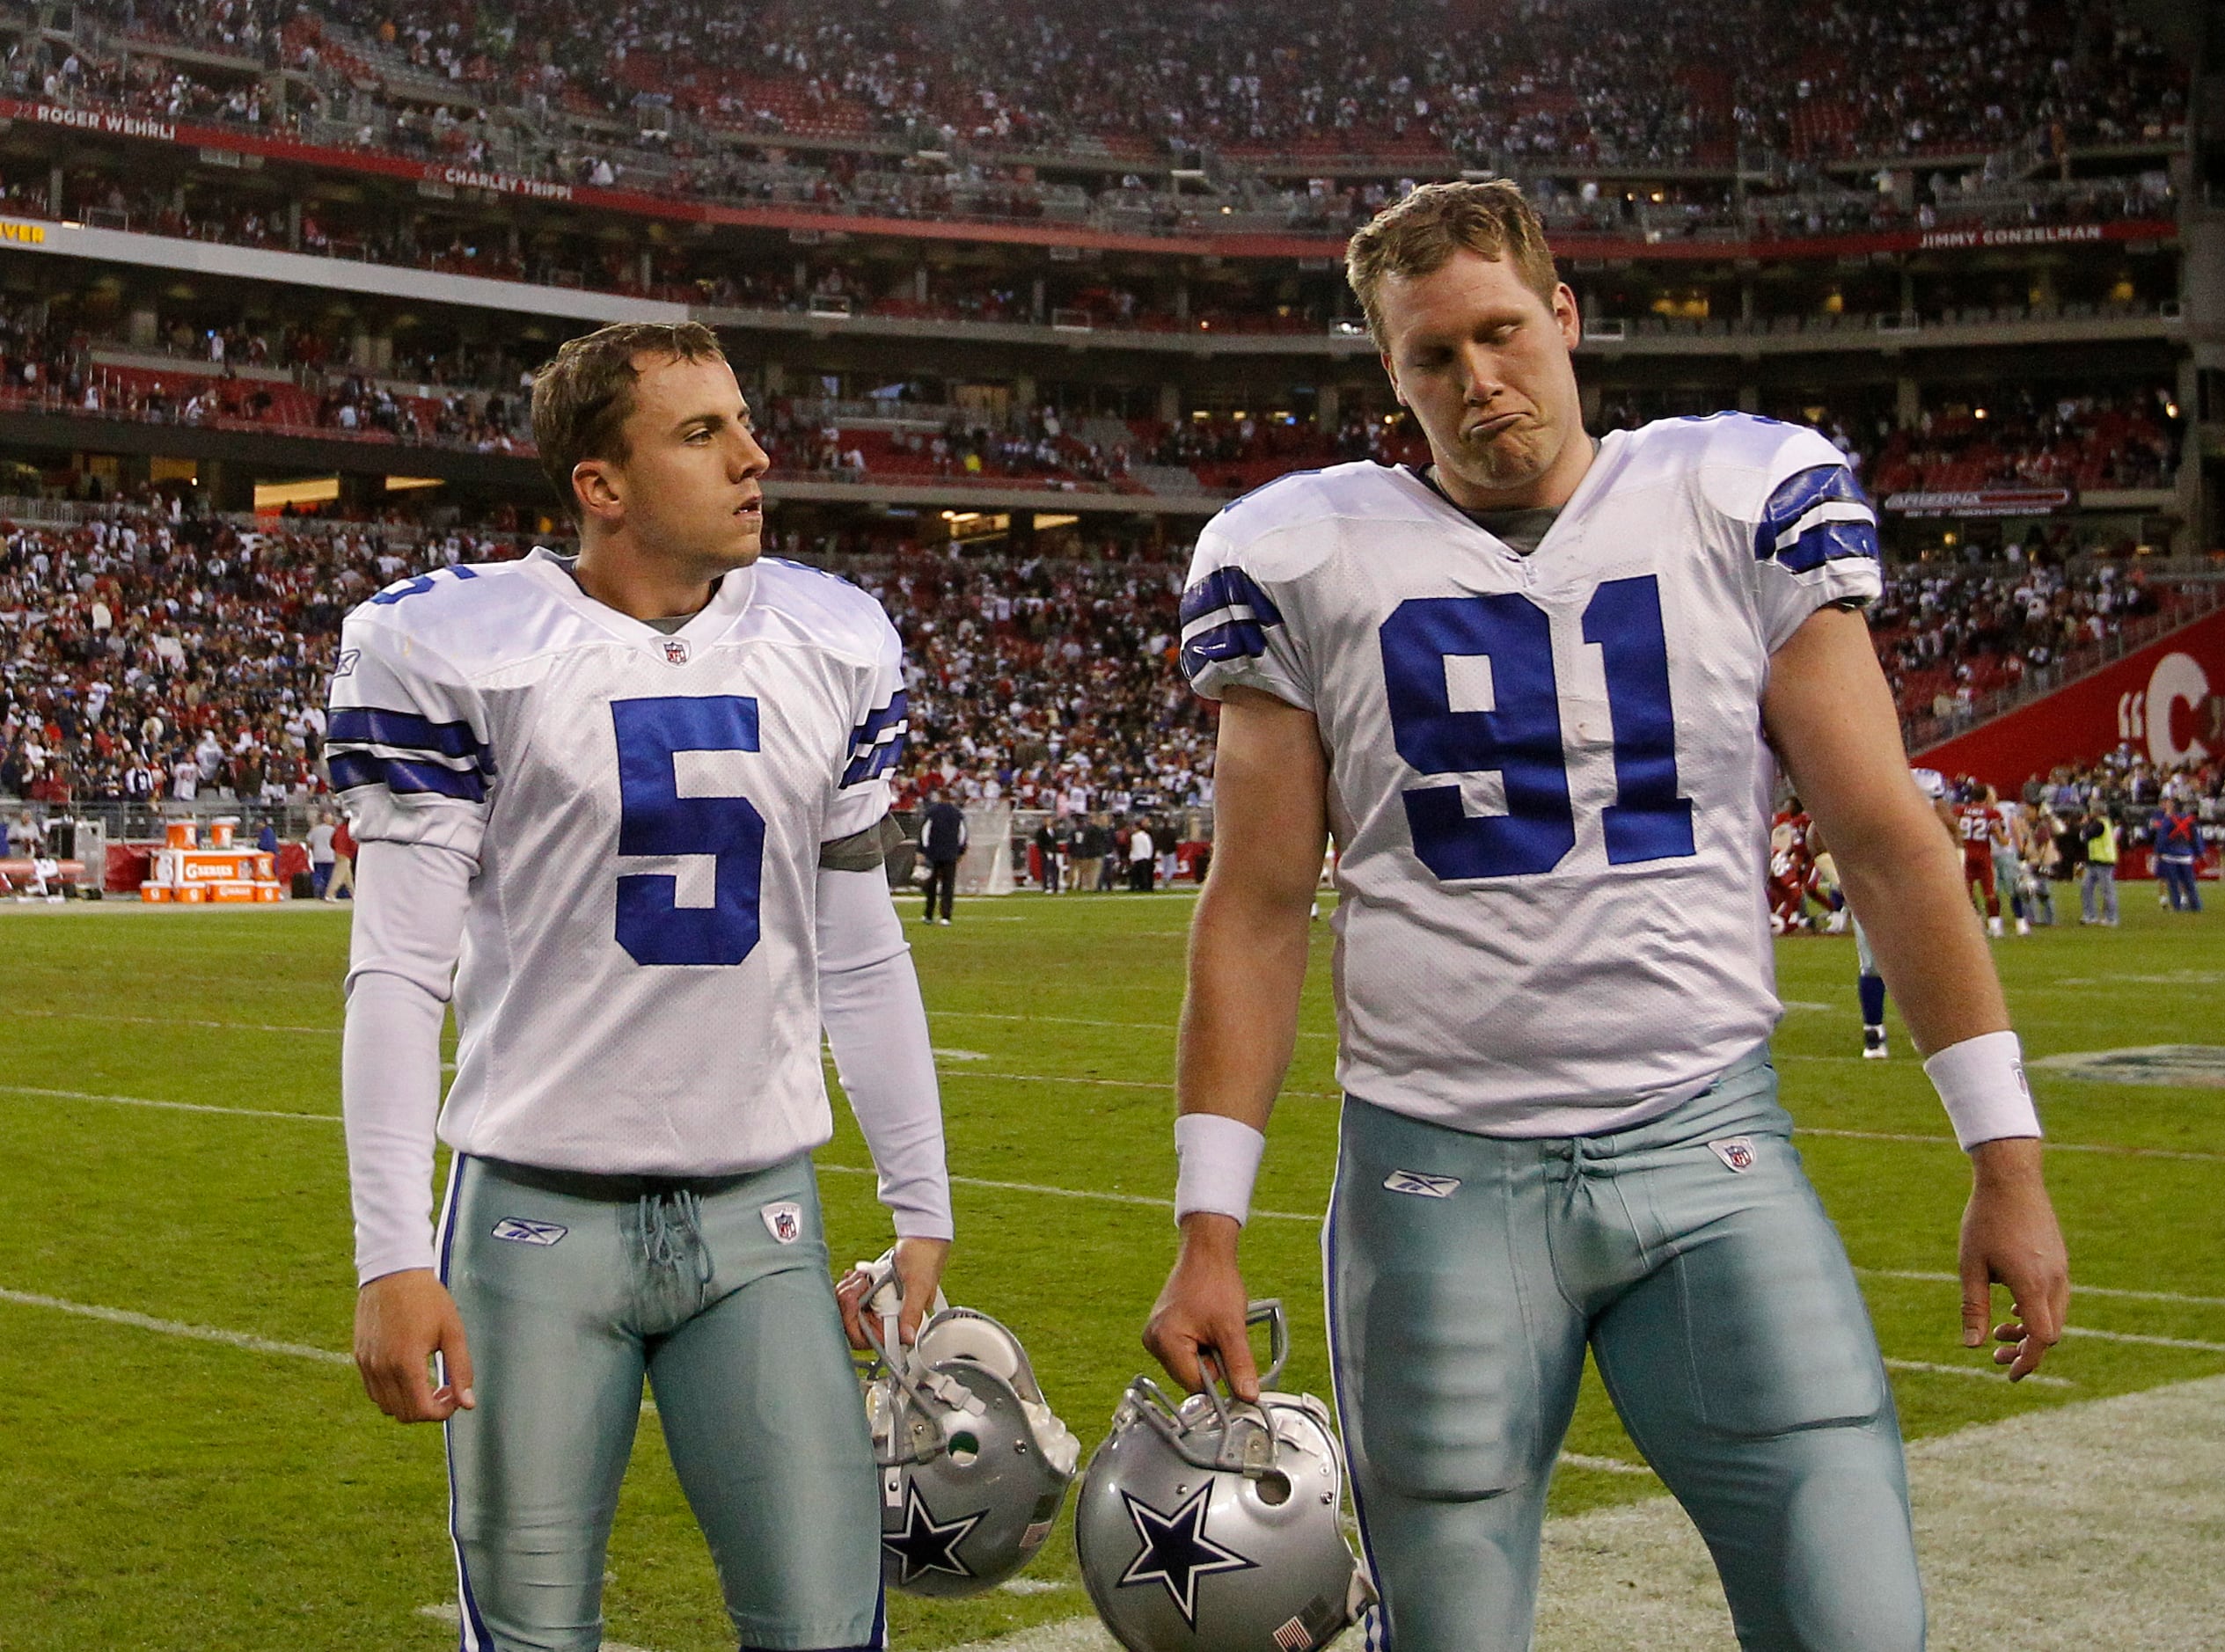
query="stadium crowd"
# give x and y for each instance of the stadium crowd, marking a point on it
(2084, 440)
(1609, 81)
(148, 652)
(1947, 633)
(1524, 90)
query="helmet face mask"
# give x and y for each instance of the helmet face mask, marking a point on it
(973, 1463)
(1213, 1525)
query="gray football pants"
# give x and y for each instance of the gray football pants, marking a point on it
(574, 1288)
(1692, 1258)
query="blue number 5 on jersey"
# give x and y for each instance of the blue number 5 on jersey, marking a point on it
(1519, 738)
(655, 819)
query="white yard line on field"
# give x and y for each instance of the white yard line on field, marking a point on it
(2080, 1288)
(103, 1017)
(1070, 1021)
(1983, 1373)
(2052, 1147)
(171, 1328)
(171, 1107)
(1070, 1193)
(449, 1612)
(2140, 1337)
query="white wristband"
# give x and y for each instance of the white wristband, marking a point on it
(1981, 1082)
(1219, 1159)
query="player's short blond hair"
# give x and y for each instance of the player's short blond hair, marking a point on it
(583, 397)
(1417, 237)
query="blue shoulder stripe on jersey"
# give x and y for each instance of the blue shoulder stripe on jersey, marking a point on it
(1237, 639)
(877, 743)
(1227, 588)
(1817, 515)
(1831, 542)
(378, 726)
(404, 776)
(875, 760)
(896, 710)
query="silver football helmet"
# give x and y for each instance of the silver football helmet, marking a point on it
(973, 1463)
(1213, 1525)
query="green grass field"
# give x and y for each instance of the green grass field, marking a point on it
(169, 1097)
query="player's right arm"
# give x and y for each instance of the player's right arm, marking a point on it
(1248, 954)
(410, 756)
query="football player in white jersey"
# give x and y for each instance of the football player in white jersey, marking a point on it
(1537, 691)
(633, 804)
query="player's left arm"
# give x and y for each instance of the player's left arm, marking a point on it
(870, 1005)
(1830, 716)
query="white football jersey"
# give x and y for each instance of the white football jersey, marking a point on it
(1547, 774)
(637, 991)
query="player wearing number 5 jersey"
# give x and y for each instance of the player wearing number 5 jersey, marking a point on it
(634, 804)
(1537, 691)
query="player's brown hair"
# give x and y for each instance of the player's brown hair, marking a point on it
(583, 397)
(1418, 236)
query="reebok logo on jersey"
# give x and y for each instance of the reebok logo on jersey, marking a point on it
(1734, 1151)
(784, 1221)
(1415, 1182)
(676, 651)
(347, 663)
(519, 1231)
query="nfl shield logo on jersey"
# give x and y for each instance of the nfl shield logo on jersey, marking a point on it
(784, 1221)
(1736, 1151)
(676, 651)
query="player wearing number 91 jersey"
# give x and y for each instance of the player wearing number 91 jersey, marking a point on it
(1531, 783)
(1537, 691)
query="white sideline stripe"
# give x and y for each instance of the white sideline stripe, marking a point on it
(2118, 1495)
(2140, 1337)
(1066, 1193)
(1166, 1084)
(1983, 1373)
(1602, 1465)
(172, 1020)
(1070, 1193)
(171, 1328)
(1069, 1020)
(2051, 1146)
(171, 1106)
(2061, 1529)
(2078, 1287)
(449, 1612)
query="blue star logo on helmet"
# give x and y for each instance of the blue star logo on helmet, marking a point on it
(1176, 1552)
(928, 1545)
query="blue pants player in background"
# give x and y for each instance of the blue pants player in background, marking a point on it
(1534, 690)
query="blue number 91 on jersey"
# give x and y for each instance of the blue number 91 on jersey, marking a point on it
(1519, 738)
(655, 819)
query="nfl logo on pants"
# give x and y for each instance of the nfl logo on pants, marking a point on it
(784, 1221)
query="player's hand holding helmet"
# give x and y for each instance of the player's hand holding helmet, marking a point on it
(973, 1463)
(1213, 1525)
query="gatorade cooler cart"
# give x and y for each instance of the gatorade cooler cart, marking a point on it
(186, 872)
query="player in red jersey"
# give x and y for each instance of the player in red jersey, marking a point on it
(1791, 868)
(1983, 826)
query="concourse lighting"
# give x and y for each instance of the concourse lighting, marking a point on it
(321, 490)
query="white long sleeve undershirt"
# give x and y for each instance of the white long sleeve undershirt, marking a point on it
(410, 904)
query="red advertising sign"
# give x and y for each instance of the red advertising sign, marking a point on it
(2163, 700)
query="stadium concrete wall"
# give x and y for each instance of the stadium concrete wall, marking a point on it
(2166, 700)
